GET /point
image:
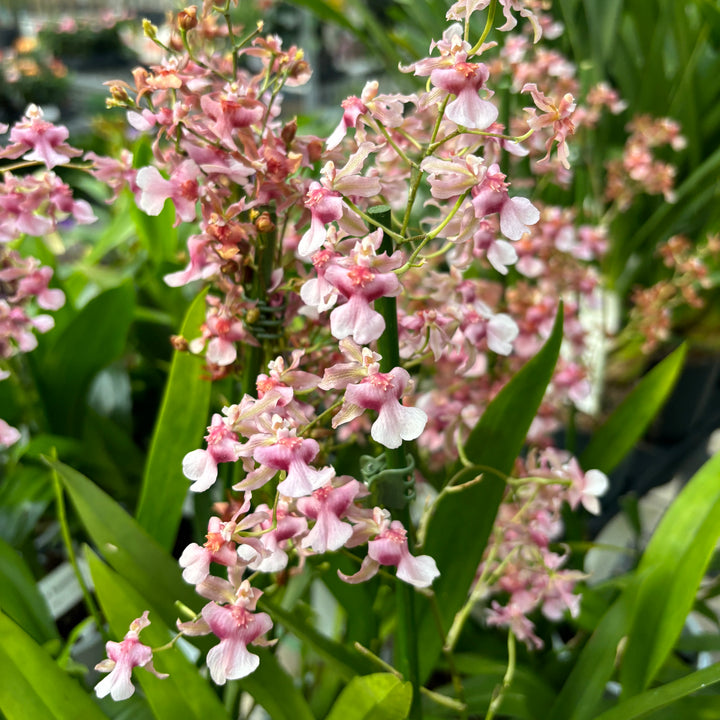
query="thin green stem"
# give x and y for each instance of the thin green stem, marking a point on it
(499, 695)
(370, 219)
(454, 674)
(443, 700)
(433, 234)
(383, 130)
(488, 27)
(72, 558)
(417, 173)
(321, 417)
(231, 36)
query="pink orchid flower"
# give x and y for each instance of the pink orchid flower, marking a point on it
(122, 658)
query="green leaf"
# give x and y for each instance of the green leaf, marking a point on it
(584, 688)
(33, 687)
(661, 696)
(178, 430)
(274, 689)
(128, 548)
(25, 493)
(156, 232)
(345, 661)
(380, 696)
(669, 574)
(92, 340)
(462, 517)
(185, 694)
(621, 431)
(20, 598)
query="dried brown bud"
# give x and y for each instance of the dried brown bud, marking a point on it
(187, 18)
(288, 132)
(229, 267)
(314, 150)
(179, 343)
(264, 223)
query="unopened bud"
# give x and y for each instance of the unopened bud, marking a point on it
(179, 343)
(252, 316)
(187, 18)
(264, 223)
(140, 76)
(119, 96)
(288, 132)
(149, 29)
(228, 252)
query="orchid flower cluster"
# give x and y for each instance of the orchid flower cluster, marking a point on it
(319, 249)
(519, 561)
(654, 308)
(35, 204)
(367, 271)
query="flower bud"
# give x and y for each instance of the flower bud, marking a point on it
(288, 132)
(179, 342)
(119, 97)
(264, 223)
(187, 18)
(149, 29)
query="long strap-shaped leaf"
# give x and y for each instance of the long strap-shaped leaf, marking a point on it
(178, 430)
(184, 694)
(670, 573)
(126, 546)
(461, 522)
(661, 696)
(32, 686)
(627, 424)
(652, 609)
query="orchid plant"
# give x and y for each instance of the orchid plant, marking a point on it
(390, 317)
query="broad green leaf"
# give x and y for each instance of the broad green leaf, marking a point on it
(627, 424)
(462, 518)
(126, 546)
(20, 598)
(670, 573)
(69, 361)
(584, 688)
(178, 430)
(273, 688)
(345, 661)
(33, 687)
(361, 626)
(661, 696)
(185, 694)
(380, 696)
(157, 232)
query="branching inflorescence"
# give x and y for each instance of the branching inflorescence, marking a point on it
(299, 265)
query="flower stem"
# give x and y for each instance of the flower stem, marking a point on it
(406, 649)
(499, 695)
(67, 540)
(261, 280)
